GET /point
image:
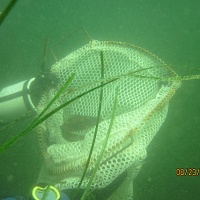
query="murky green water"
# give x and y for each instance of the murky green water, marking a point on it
(169, 29)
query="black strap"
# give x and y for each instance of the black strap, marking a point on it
(25, 92)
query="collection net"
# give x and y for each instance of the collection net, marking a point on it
(145, 85)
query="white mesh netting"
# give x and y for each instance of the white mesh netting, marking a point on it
(143, 95)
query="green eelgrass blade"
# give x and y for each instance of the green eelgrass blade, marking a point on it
(44, 196)
(57, 95)
(39, 120)
(96, 127)
(14, 121)
(6, 11)
(107, 81)
(35, 122)
(70, 101)
(86, 191)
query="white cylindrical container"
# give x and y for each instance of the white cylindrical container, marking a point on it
(15, 101)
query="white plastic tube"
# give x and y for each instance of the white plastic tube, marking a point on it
(15, 101)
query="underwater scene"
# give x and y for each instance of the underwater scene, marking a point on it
(99, 99)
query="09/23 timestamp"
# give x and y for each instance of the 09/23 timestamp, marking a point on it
(188, 171)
